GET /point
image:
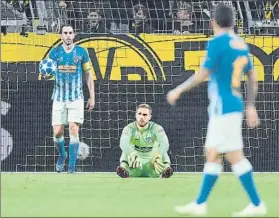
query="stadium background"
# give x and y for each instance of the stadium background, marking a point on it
(131, 65)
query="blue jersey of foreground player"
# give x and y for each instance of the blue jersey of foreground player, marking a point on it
(68, 81)
(227, 59)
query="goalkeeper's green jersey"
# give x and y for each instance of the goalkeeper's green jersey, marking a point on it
(147, 140)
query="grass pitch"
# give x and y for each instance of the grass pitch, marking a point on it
(106, 195)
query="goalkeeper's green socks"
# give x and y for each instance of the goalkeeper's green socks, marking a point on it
(73, 152)
(60, 145)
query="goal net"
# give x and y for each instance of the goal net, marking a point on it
(138, 50)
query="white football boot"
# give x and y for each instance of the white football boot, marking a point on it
(251, 210)
(193, 209)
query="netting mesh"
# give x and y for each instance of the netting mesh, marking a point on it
(139, 50)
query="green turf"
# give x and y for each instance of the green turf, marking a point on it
(95, 195)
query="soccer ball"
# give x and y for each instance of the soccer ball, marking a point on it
(83, 151)
(47, 67)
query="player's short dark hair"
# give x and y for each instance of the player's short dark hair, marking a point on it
(224, 15)
(65, 25)
(147, 106)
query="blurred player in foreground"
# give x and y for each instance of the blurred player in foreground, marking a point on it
(144, 146)
(68, 100)
(226, 60)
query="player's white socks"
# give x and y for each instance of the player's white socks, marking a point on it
(244, 171)
(211, 173)
(60, 145)
(73, 152)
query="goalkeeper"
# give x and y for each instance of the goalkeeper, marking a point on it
(144, 146)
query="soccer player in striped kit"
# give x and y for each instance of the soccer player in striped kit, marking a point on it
(68, 100)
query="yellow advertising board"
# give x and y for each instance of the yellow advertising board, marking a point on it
(153, 57)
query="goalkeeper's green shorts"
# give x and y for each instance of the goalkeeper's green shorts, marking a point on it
(146, 171)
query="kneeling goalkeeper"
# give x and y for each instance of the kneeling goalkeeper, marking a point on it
(144, 146)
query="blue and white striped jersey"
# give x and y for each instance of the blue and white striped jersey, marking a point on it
(69, 76)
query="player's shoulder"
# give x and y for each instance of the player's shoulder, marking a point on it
(236, 42)
(215, 42)
(156, 127)
(228, 40)
(128, 129)
(80, 49)
(56, 48)
(221, 38)
(55, 51)
(131, 126)
(218, 38)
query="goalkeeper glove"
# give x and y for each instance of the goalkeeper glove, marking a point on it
(158, 164)
(134, 161)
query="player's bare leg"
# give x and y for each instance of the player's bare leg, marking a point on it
(58, 138)
(73, 146)
(243, 169)
(212, 170)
